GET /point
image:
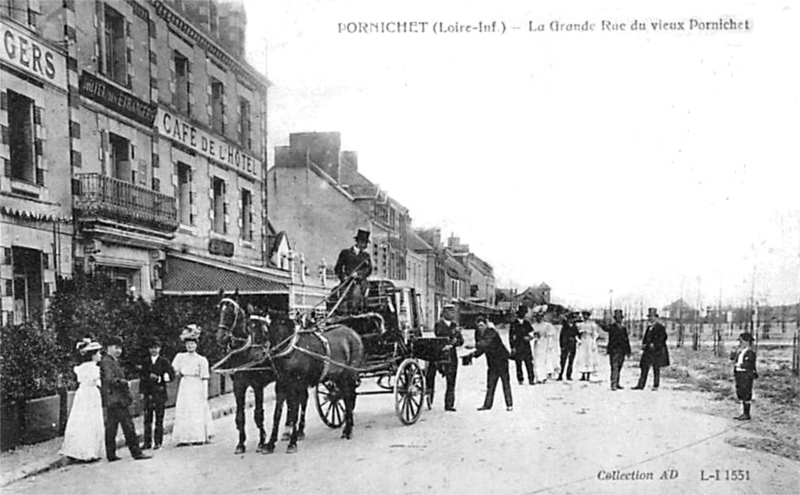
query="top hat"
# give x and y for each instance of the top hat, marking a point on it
(362, 235)
(522, 311)
(618, 312)
(747, 337)
(652, 312)
(191, 332)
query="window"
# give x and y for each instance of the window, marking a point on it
(182, 85)
(217, 106)
(28, 291)
(119, 151)
(244, 123)
(247, 215)
(185, 194)
(21, 137)
(115, 62)
(220, 208)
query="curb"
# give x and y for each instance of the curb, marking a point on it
(60, 461)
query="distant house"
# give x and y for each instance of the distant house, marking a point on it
(680, 310)
(534, 295)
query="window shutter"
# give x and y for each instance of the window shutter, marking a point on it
(156, 184)
(45, 261)
(133, 151)
(39, 177)
(3, 100)
(6, 167)
(76, 158)
(37, 115)
(8, 256)
(37, 144)
(3, 134)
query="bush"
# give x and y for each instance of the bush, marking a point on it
(30, 362)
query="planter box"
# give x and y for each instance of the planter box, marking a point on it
(137, 406)
(214, 385)
(9, 426)
(172, 392)
(42, 419)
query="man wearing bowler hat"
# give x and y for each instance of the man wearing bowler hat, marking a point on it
(617, 348)
(117, 400)
(353, 267)
(654, 350)
(155, 372)
(520, 336)
(447, 328)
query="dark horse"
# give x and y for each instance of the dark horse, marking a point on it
(245, 335)
(244, 341)
(304, 358)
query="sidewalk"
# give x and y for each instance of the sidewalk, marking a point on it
(30, 460)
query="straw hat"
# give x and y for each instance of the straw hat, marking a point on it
(191, 332)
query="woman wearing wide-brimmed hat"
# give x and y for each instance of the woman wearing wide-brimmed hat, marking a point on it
(192, 412)
(84, 438)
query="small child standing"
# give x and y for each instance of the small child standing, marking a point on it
(744, 372)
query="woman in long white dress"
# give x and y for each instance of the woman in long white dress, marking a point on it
(192, 412)
(586, 355)
(543, 333)
(84, 437)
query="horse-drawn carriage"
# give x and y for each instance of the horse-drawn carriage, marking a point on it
(384, 341)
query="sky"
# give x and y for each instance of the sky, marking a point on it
(616, 166)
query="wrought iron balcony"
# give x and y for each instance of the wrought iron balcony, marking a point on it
(104, 198)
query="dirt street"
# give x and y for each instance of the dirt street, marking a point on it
(562, 437)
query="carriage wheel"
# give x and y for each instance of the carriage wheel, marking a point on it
(409, 391)
(330, 404)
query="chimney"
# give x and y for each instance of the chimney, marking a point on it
(322, 148)
(232, 27)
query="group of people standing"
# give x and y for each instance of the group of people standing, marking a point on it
(544, 352)
(103, 399)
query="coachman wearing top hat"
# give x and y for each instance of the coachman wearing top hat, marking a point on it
(354, 264)
(654, 350)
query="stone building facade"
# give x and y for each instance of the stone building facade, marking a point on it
(35, 196)
(166, 144)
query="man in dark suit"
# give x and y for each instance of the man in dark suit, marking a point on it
(488, 342)
(568, 340)
(352, 268)
(519, 336)
(116, 397)
(448, 329)
(155, 372)
(654, 350)
(617, 348)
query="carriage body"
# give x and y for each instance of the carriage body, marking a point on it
(397, 355)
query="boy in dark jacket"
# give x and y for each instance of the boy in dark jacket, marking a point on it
(744, 372)
(155, 372)
(488, 341)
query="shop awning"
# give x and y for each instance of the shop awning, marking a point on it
(471, 307)
(190, 278)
